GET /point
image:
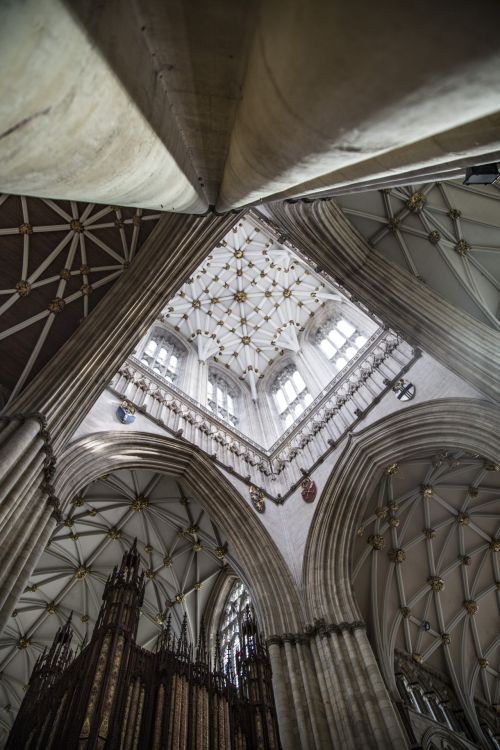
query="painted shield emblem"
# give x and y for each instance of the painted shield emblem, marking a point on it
(126, 413)
(309, 490)
(257, 498)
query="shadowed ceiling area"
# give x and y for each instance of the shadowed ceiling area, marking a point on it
(182, 553)
(426, 569)
(58, 259)
(445, 234)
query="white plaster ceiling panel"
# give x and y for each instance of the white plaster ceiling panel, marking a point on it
(182, 553)
(427, 568)
(446, 234)
(247, 303)
(58, 260)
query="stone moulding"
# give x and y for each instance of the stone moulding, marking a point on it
(277, 471)
(49, 463)
(320, 628)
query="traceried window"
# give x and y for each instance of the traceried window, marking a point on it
(290, 395)
(162, 355)
(339, 340)
(234, 607)
(222, 398)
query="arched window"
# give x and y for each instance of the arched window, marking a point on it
(229, 632)
(339, 340)
(163, 355)
(222, 398)
(290, 395)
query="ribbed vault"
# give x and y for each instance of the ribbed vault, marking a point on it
(182, 550)
(59, 258)
(254, 557)
(446, 426)
(426, 567)
(445, 234)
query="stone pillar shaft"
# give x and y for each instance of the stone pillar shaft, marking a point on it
(336, 696)
(45, 415)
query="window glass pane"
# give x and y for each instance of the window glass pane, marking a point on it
(298, 381)
(288, 420)
(220, 397)
(162, 356)
(298, 410)
(360, 341)
(346, 328)
(289, 390)
(350, 352)
(308, 399)
(173, 363)
(281, 400)
(340, 363)
(230, 405)
(210, 390)
(327, 348)
(337, 338)
(150, 347)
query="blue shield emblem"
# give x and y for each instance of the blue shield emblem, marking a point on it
(126, 413)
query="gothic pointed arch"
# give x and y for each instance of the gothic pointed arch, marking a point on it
(273, 591)
(448, 425)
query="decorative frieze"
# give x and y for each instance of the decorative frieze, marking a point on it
(276, 471)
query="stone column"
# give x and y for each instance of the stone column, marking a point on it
(45, 415)
(329, 691)
(454, 338)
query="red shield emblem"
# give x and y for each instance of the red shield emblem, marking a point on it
(309, 490)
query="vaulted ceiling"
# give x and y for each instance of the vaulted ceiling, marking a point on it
(427, 568)
(248, 302)
(445, 234)
(58, 259)
(182, 552)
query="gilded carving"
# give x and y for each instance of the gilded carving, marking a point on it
(23, 288)
(436, 583)
(377, 541)
(397, 555)
(471, 607)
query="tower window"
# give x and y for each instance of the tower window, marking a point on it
(222, 399)
(340, 340)
(238, 598)
(162, 355)
(291, 395)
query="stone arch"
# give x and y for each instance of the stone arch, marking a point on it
(464, 424)
(459, 423)
(261, 565)
(442, 738)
